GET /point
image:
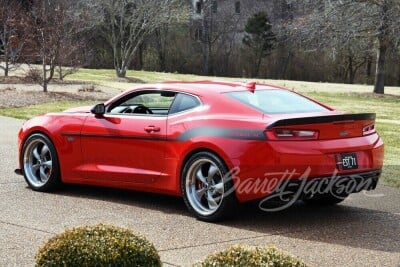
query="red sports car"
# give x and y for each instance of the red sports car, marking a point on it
(216, 144)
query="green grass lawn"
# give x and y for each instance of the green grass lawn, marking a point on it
(107, 77)
(351, 98)
(387, 123)
(28, 112)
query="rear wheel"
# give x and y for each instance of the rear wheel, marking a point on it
(207, 187)
(40, 163)
(326, 200)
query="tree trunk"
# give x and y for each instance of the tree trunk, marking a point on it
(161, 58)
(369, 70)
(6, 56)
(369, 67)
(43, 50)
(141, 61)
(210, 60)
(379, 87)
(285, 65)
(383, 42)
(44, 78)
(160, 44)
(205, 43)
(60, 72)
(257, 65)
(6, 66)
(121, 73)
(352, 73)
(6, 61)
(398, 76)
(206, 57)
(51, 74)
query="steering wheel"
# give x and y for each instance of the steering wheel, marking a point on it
(127, 110)
(141, 109)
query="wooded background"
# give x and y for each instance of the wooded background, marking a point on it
(350, 41)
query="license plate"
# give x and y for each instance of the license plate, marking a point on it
(347, 161)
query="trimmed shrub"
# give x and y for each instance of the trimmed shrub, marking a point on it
(98, 245)
(251, 256)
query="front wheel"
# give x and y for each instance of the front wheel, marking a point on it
(40, 163)
(207, 187)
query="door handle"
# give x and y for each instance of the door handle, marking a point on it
(152, 129)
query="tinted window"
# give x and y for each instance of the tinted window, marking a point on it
(277, 101)
(150, 100)
(146, 102)
(183, 102)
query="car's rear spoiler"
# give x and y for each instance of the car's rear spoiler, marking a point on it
(323, 119)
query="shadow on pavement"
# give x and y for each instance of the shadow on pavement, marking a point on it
(341, 224)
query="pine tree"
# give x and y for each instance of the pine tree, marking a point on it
(260, 38)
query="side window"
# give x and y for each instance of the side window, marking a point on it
(147, 102)
(237, 7)
(184, 102)
(198, 7)
(151, 100)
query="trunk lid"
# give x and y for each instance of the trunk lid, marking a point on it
(325, 127)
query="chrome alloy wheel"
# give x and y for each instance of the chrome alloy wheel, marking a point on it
(204, 186)
(37, 163)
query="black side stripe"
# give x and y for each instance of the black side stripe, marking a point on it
(115, 136)
(230, 133)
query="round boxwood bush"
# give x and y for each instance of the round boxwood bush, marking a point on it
(98, 245)
(251, 256)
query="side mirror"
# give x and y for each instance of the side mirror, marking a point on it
(98, 110)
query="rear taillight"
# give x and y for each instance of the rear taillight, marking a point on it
(291, 134)
(369, 129)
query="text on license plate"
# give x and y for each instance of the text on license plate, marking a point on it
(346, 161)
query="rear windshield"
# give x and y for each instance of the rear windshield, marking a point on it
(276, 101)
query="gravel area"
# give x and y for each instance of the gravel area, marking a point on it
(20, 95)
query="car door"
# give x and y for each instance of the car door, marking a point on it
(127, 144)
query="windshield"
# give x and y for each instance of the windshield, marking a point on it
(276, 101)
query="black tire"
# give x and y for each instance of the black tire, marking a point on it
(40, 164)
(325, 200)
(206, 174)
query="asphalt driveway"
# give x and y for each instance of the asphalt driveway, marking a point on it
(363, 231)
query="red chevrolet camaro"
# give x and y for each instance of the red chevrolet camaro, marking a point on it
(216, 144)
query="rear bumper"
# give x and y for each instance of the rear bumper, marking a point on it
(307, 187)
(266, 165)
(341, 185)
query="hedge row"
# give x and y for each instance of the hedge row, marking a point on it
(107, 245)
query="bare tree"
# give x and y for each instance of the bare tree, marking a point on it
(125, 24)
(11, 38)
(387, 31)
(356, 28)
(54, 32)
(69, 59)
(162, 33)
(215, 27)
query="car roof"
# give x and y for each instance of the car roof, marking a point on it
(204, 87)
